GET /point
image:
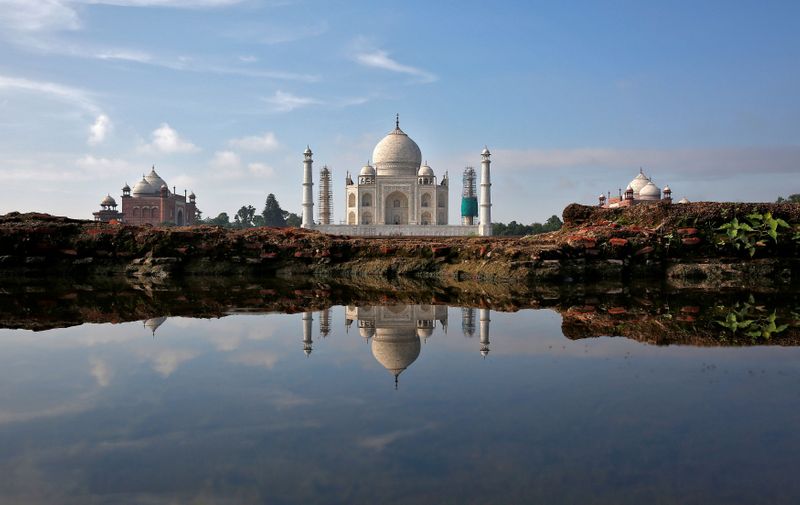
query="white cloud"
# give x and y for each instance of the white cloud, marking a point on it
(248, 58)
(261, 169)
(258, 143)
(282, 101)
(166, 140)
(182, 4)
(99, 130)
(379, 58)
(226, 160)
(93, 166)
(37, 15)
(67, 94)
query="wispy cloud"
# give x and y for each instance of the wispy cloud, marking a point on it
(165, 139)
(55, 15)
(227, 161)
(701, 162)
(380, 442)
(378, 58)
(38, 15)
(260, 169)
(92, 166)
(282, 101)
(74, 96)
(257, 143)
(272, 34)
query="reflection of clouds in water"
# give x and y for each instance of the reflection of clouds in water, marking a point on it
(101, 371)
(166, 361)
(225, 341)
(380, 442)
(71, 405)
(264, 359)
(288, 400)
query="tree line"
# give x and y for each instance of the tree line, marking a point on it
(246, 217)
(514, 229)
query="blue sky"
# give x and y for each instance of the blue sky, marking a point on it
(223, 96)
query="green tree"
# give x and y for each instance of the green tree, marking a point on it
(795, 198)
(553, 223)
(244, 217)
(292, 219)
(221, 220)
(272, 213)
(258, 220)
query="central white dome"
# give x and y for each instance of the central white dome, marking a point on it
(397, 154)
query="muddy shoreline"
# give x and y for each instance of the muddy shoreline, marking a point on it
(681, 245)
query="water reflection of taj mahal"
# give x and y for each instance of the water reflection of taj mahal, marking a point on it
(396, 332)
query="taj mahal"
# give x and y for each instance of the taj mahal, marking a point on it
(396, 194)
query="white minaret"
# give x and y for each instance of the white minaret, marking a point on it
(485, 217)
(308, 194)
(484, 318)
(307, 341)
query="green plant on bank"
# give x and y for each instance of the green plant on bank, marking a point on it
(752, 321)
(752, 232)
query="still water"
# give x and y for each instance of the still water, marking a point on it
(390, 404)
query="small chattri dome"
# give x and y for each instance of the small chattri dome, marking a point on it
(683, 200)
(485, 151)
(308, 150)
(143, 188)
(367, 171)
(108, 200)
(425, 171)
(667, 189)
(126, 187)
(192, 195)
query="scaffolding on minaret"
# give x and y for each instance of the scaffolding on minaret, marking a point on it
(469, 197)
(468, 321)
(325, 196)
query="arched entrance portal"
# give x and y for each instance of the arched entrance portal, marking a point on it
(180, 218)
(396, 208)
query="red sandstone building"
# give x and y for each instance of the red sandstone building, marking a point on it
(150, 202)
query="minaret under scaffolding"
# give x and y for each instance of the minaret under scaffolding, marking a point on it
(469, 197)
(468, 321)
(325, 196)
(325, 322)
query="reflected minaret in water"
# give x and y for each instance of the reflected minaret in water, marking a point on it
(468, 321)
(484, 317)
(307, 341)
(325, 322)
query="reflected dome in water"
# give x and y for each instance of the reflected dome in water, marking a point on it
(395, 350)
(396, 331)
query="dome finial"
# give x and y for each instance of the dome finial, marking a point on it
(397, 121)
